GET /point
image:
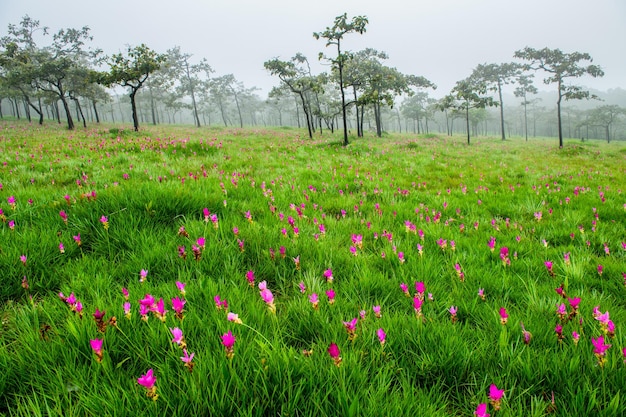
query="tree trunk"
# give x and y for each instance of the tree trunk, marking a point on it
(558, 112)
(467, 122)
(154, 122)
(25, 103)
(343, 96)
(501, 110)
(80, 112)
(306, 115)
(68, 113)
(359, 133)
(95, 111)
(134, 109)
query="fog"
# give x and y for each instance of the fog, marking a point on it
(442, 40)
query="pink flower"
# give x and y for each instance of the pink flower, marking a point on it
(481, 293)
(376, 310)
(600, 269)
(481, 410)
(302, 287)
(314, 300)
(187, 358)
(61, 248)
(333, 351)
(492, 243)
(549, 267)
(503, 315)
(228, 340)
(105, 222)
(160, 310)
(250, 277)
(234, 318)
(420, 287)
(351, 325)
(417, 305)
(96, 346)
(143, 274)
(127, 310)
(178, 305)
(574, 303)
(405, 289)
(178, 336)
(77, 239)
(181, 287)
(148, 380)
(125, 293)
(599, 347)
(23, 259)
(495, 394)
(381, 336)
(575, 337)
(330, 293)
(206, 213)
(328, 274)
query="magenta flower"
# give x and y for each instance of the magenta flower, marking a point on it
(481, 410)
(504, 255)
(561, 311)
(376, 310)
(302, 287)
(575, 337)
(219, 303)
(206, 213)
(283, 251)
(61, 248)
(201, 242)
(574, 303)
(420, 287)
(143, 274)
(405, 289)
(459, 272)
(77, 239)
(333, 351)
(314, 300)
(181, 287)
(495, 394)
(178, 305)
(250, 278)
(125, 293)
(328, 274)
(492, 243)
(600, 269)
(96, 346)
(599, 347)
(330, 293)
(481, 294)
(127, 310)
(381, 336)
(503, 316)
(228, 340)
(178, 337)
(549, 267)
(148, 380)
(105, 222)
(23, 259)
(417, 306)
(187, 359)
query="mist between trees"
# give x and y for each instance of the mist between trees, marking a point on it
(62, 78)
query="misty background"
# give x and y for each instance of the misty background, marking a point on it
(441, 40)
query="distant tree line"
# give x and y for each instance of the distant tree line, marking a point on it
(60, 76)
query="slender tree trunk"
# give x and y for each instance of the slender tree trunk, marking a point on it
(467, 122)
(79, 109)
(1, 114)
(95, 111)
(68, 113)
(17, 109)
(238, 108)
(134, 109)
(359, 133)
(558, 112)
(306, 115)
(501, 110)
(343, 96)
(26, 109)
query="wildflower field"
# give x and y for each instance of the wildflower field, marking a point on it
(180, 271)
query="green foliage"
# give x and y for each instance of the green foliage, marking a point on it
(271, 189)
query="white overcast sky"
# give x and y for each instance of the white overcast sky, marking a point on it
(442, 40)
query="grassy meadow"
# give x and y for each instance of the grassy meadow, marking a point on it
(179, 271)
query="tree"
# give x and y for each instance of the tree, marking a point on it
(560, 66)
(297, 79)
(495, 76)
(468, 94)
(525, 87)
(333, 36)
(605, 116)
(132, 70)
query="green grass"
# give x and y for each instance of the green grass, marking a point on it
(149, 184)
